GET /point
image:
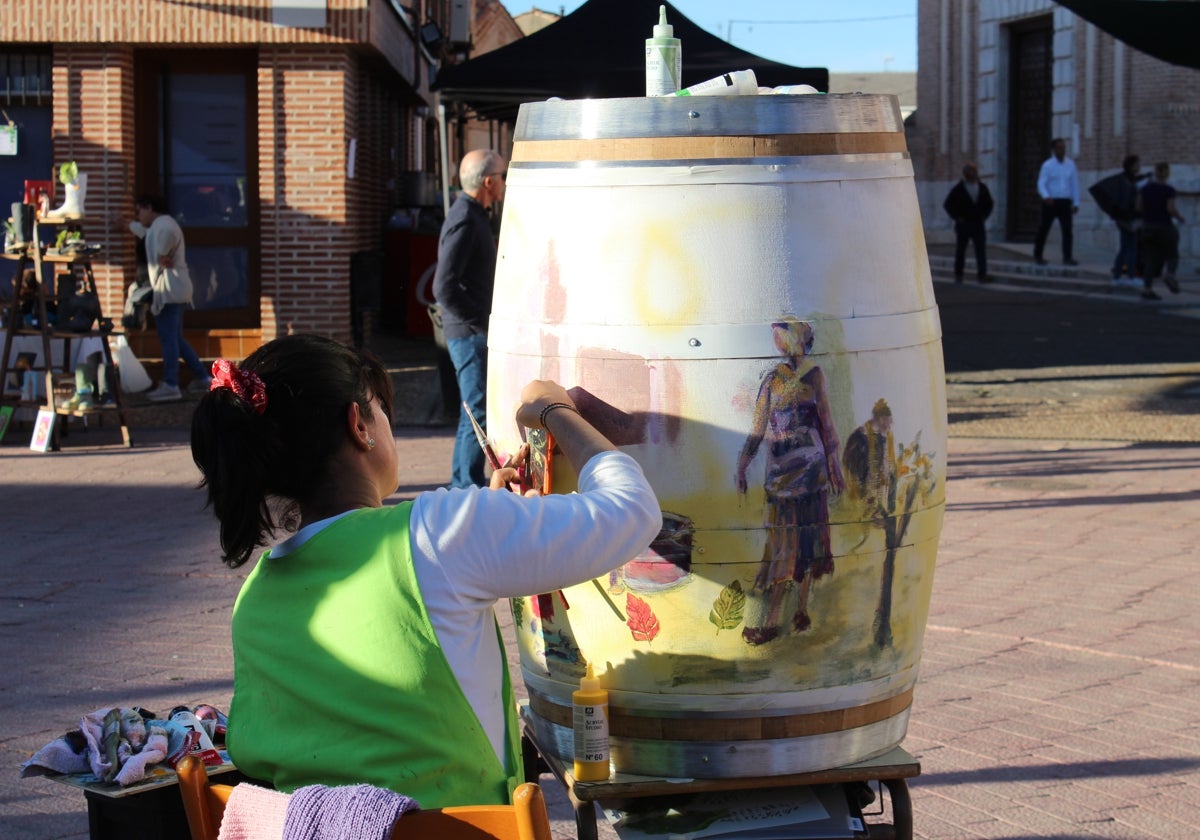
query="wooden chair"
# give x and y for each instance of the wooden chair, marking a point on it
(525, 819)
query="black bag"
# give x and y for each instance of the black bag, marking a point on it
(1114, 196)
(137, 306)
(79, 312)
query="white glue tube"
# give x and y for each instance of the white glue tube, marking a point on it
(727, 84)
(792, 89)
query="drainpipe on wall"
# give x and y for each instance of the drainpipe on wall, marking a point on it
(444, 147)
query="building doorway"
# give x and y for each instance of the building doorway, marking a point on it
(197, 148)
(1029, 125)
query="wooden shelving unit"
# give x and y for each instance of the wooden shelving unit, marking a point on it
(36, 256)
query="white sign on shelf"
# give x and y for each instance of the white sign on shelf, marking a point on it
(8, 139)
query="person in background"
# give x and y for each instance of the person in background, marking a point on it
(1058, 187)
(1122, 207)
(1160, 237)
(969, 204)
(462, 287)
(166, 259)
(365, 643)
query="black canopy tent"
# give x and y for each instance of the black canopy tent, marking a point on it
(1164, 29)
(597, 51)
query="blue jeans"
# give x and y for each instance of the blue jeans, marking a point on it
(469, 356)
(1127, 253)
(169, 326)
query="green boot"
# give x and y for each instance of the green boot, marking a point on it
(82, 399)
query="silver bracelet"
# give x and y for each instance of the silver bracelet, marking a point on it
(551, 407)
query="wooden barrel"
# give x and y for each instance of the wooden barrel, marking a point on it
(739, 292)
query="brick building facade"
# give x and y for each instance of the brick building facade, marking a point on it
(280, 134)
(998, 79)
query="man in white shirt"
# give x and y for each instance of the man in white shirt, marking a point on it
(1058, 186)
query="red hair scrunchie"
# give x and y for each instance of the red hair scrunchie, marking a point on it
(245, 384)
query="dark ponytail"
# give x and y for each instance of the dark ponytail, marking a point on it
(259, 468)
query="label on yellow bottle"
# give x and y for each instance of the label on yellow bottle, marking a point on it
(590, 723)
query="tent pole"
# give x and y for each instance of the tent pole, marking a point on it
(445, 150)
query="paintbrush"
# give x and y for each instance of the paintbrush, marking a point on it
(484, 443)
(600, 588)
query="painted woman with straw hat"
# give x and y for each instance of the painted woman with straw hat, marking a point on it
(792, 415)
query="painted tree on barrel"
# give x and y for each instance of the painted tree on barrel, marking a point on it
(887, 485)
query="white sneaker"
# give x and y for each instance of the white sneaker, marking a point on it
(164, 393)
(200, 386)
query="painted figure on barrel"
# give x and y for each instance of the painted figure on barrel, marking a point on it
(793, 417)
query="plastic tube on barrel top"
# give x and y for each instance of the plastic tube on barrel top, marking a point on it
(792, 89)
(733, 83)
(664, 58)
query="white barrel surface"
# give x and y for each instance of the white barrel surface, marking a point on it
(738, 291)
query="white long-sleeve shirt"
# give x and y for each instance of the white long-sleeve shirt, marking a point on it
(1059, 179)
(164, 238)
(473, 547)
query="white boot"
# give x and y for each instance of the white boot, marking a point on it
(72, 206)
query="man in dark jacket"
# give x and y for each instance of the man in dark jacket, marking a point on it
(462, 286)
(1116, 195)
(969, 205)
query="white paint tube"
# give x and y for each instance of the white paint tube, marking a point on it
(727, 84)
(792, 89)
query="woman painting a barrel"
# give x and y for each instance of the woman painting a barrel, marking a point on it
(365, 644)
(792, 414)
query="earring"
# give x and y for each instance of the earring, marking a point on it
(370, 443)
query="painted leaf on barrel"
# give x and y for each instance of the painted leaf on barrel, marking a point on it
(518, 611)
(729, 607)
(543, 607)
(642, 620)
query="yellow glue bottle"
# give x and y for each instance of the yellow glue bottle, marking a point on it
(590, 722)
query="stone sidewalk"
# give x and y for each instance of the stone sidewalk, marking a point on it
(1060, 688)
(1059, 694)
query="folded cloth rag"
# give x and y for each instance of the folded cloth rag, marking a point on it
(254, 813)
(349, 812)
(68, 754)
(82, 750)
(132, 760)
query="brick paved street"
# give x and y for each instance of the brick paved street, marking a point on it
(1060, 688)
